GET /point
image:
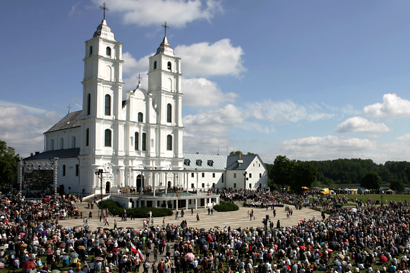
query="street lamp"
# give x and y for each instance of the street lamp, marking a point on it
(100, 172)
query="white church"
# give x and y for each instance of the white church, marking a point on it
(136, 143)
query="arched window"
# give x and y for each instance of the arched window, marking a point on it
(61, 143)
(107, 105)
(140, 117)
(89, 104)
(169, 66)
(73, 142)
(91, 50)
(136, 139)
(63, 170)
(107, 142)
(169, 112)
(87, 137)
(169, 142)
(52, 145)
(108, 51)
(155, 64)
(144, 141)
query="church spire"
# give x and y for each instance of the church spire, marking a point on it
(165, 47)
(103, 30)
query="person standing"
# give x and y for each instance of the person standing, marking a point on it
(197, 216)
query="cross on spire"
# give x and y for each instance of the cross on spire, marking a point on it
(165, 26)
(104, 7)
(139, 78)
(69, 108)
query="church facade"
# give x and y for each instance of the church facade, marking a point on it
(136, 142)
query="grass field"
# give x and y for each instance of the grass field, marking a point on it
(374, 197)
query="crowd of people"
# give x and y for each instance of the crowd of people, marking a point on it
(361, 238)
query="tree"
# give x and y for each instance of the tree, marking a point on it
(303, 176)
(407, 172)
(235, 153)
(8, 164)
(397, 185)
(282, 170)
(371, 180)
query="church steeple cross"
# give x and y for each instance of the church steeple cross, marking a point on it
(165, 26)
(139, 78)
(69, 108)
(104, 7)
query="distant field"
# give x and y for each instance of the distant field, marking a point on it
(374, 197)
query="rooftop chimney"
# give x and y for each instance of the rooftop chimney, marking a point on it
(37, 153)
(240, 155)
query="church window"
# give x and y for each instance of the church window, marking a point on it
(63, 170)
(61, 143)
(203, 175)
(87, 137)
(199, 162)
(108, 51)
(107, 134)
(140, 117)
(107, 105)
(155, 64)
(234, 185)
(73, 142)
(192, 175)
(250, 175)
(203, 185)
(136, 139)
(52, 145)
(260, 175)
(169, 142)
(187, 162)
(213, 175)
(77, 170)
(234, 175)
(144, 141)
(91, 50)
(89, 104)
(169, 112)
(169, 66)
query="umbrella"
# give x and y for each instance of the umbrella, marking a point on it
(190, 256)
(188, 234)
(29, 265)
(238, 244)
(302, 247)
(109, 243)
(81, 247)
(62, 245)
(340, 229)
(74, 255)
(115, 249)
(383, 258)
(329, 250)
(341, 256)
(99, 258)
(338, 263)
(49, 252)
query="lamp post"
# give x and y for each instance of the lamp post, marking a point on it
(100, 172)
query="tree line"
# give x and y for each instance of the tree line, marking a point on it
(334, 173)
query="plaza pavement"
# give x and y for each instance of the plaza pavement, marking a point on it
(234, 219)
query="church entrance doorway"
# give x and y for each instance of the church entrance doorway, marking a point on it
(61, 189)
(107, 187)
(140, 182)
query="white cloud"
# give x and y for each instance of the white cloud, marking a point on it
(204, 59)
(208, 130)
(405, 137)
(359, 124)
(327, 147)
(392, 106)
(22, 126)
(200, 92)
(154, 12)
(284, 112)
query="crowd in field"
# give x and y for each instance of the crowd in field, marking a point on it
(362, 238)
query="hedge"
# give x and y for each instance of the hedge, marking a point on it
(226, 206)
(116, 209)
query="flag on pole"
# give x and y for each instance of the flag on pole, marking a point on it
(139, 253)
(133, 248)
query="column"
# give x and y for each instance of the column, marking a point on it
(166, 183)
(196, 203)
(55, 163)
(176, 206)
(197, 183)
(153, 182)
(20, 176)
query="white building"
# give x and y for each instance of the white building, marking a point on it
(138, 142)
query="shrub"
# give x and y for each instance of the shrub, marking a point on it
(116, 209)
(226, 206)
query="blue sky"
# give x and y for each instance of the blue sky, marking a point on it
(311, 80)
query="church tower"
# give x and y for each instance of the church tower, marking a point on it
(102, 102)
(164, 85)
